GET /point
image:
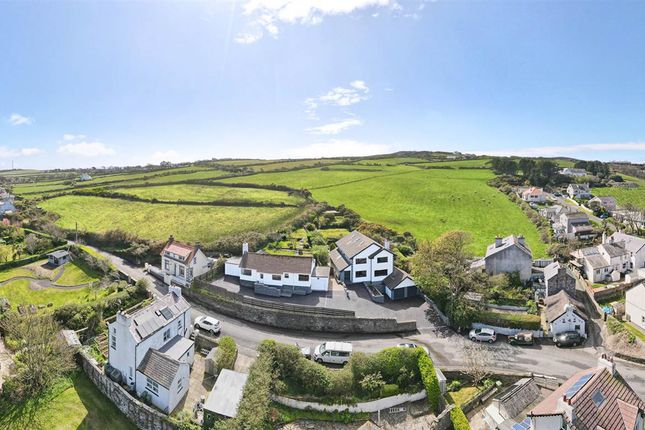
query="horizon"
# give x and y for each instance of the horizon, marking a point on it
(125, 84)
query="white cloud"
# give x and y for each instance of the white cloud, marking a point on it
(338, 148)
(247, 38)
(359, 85)
(85, 149)
(18, 152)
(27, 152)
(335, 127)
(338, 96)
(266, 15)
(549, 151)
(68, 137)
(17, 119)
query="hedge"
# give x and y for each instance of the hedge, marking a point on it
(430, 381)
(30, 259)
(509, 320)
(459, 420)
(226, 353)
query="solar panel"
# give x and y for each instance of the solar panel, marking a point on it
(524, 425)
(578, 385)
(167, 313)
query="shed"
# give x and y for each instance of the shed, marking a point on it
(58, 258)
(225, 397)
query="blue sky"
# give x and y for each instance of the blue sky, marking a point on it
(119, 83)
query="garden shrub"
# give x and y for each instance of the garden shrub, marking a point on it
(372, 383)
(430, 381)
(454, 385)
(459, 419)
(226, 353)
(390, 390)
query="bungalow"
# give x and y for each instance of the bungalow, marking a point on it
(58, 258)
(181, 262)
(534, 195)
(570, 171)
(508, 255)
(564, 313)
(277, 275)
(151, 350)
(558, 277)
(608, 203)
(635, 305)
(579, 191)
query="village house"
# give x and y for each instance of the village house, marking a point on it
(596, 398)
(570, 171)
(617, 255)
(151, 349)
(573, 225)
(635, 305)
(558, 277)
(552, 213)
(360, 259)
(534, 195)
(277, 275)
(579, 191)
(510, 254)
(564, 313)
(609, 203)
(632, 219)
(181, 262)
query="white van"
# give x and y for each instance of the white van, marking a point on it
(333, 352)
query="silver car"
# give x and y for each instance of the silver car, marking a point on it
(482, 335)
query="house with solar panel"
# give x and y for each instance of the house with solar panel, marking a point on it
(181, 262)
(151, 349)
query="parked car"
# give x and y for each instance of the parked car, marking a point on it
(557, 194)
(333, 352)
(568, 338)
(209, 324)
(413, 345)
(521, 339)
(483, 335)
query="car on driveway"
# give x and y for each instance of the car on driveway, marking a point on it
(521, 339)
(209, 324)
(413, 345)
(568, 338)
(482, 335)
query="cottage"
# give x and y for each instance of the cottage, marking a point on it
(552, 213)
(618, 254)
(570, 171)
(564, 313)
(58, 258)
(579, 191)
(181, 262)
(151, 349)
(634, 245)
(558, 277)
(508, 255)
(277, 275)
(534, 195)
(609, 203)
(85, 177)
(573, 225)
(225, 396)
(635, 305)
(596, 398)
(633, 219)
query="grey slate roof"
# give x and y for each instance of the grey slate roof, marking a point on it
(148, 320)
(552, 269)
(338, 261)
(632, 243)
(395, 278)
(159, 367)
(276, 264)
(227, 393)
(354, 243)
(322, 271)
(615, 249)
(556, 306)
(507, 242)
(596, 261)
(177, 347)
(59, 254)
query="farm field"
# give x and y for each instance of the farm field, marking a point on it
(424, 202)
(635, 196)
(159, 221)
(201, 193)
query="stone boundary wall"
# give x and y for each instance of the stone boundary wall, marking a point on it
(142, 415)
(310, 321)
(371, 406)
(441, 315)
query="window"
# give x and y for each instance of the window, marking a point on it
(179, 324)
(381, 260)
(577, 327)
(167, 266)
(130, 372)
(361, 260)
(598, 398)
(361, 274)
(286, 275)
(261, 275)
(182, 271)
(113, 340)
(166, 335)
(276, 277)
(246, 272)
(152, 386)
(303, 278)
(180, 385)
(380, 272)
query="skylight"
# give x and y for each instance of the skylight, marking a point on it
(598, 398)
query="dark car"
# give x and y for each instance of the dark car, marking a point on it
(521, 339)
(568, 338)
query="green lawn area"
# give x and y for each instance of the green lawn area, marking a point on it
(635, 196)
(15, 272)
(510, 319)
(19, 292)
(462, 395)
(73, 404)
(77, 273)
(202, 193)
(158, 221)
(333, 233)
(423, 202)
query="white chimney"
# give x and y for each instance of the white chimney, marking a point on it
(245, 248)
(175, 289)
(386, 244)
(498, 242)
(604, 237)
(122, 319)
(608, 363)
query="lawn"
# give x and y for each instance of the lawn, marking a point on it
(201, 193)
(423, 202)
(73, 404)
(634, 330)
(463, 395)
(76, 273)
(158, 221)
(19, 292)
(16, 272)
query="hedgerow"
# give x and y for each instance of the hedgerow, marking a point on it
(430, 381)
(459, 420)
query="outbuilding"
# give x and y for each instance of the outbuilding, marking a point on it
(224, 399)
(400, 285)
(58, 258)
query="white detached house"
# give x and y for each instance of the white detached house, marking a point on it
(564, 313)
(151, 349)
(181, 262)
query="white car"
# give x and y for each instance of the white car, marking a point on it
(483, 335)
(209, 324)
(413, 345)
(333, 352)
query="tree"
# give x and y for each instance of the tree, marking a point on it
(478, 361)
(321, 254)
(504, 166)
(526, 165)
(42, 355)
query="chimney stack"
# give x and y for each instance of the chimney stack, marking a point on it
(175, 289)
(608, 363)
(245, 248)
(171, 239)
(386, 244)
(198, 245)
(498, 241)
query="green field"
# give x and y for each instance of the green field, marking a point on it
(159, 221)
(424, 202)
(73, 404)
(201, 193)
(635, 196)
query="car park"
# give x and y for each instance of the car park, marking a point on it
(333, 352)
(568, 338)
(209, 324)
(521, 339)
(482, 335)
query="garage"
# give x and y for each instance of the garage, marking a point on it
(400, 285)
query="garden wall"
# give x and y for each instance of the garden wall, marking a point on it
(371, 406)
(142, 415)
(510, 331)
(293, 317)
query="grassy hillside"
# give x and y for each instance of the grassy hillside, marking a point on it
(158, 221)
(635, 196)
(424, 202)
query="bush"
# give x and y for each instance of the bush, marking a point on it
(430, 381)
(454, 385)
(372, 383)
(226, 353)
(459, 420)
(390, 390)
